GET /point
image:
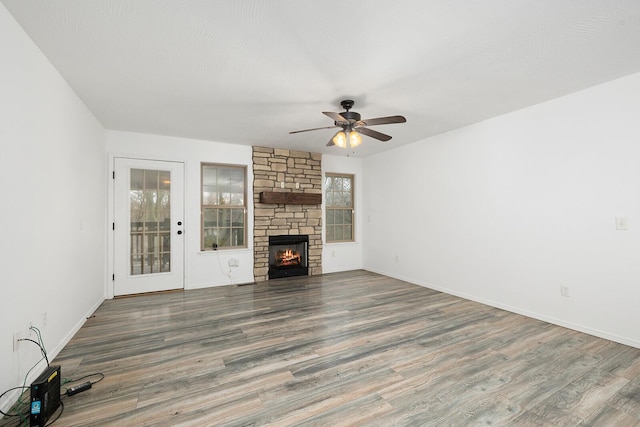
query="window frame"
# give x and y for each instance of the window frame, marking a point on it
(352, 208)
(229, 207)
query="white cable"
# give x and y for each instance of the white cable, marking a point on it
(231, 280)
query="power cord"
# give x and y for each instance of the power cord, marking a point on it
(228, 274)
(42, 350)
(40, 342)
(21, 414)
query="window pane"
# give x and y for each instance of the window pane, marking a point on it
(209, 176)
(136, 264)
(164, 199)
(166, 242)
(225, 198)
(347, 217)
(327, 183)
(338, 233)
(237, 236)
(209, 195)
(348, 232)
(330, 199)
(224, 217)
(135, 200)
(137, 179)
(166, 262)
(210, 217)
(330, 216)
(237, 199)
(224, 235)
(330, 233)
(164, 180)
(347, 200)
(136, 221)
(164, 224)
(150, 199)
(149, 222)
(150, 179)
(237, 217)
(337, 184)
(209, 238)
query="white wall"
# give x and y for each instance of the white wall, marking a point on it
(208, 268)
(53, 206)
(508, 210)
(344, 256)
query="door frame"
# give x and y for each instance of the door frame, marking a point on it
(110, 258)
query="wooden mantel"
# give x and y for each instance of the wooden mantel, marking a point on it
(272, 197)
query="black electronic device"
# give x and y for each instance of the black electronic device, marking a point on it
(78, 388)
(45, 396)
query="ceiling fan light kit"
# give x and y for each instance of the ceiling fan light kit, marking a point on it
(340, 139)
(352, 126)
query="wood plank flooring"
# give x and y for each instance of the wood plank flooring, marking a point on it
(341, 349)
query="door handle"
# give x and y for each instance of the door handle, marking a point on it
(179, 222)
(179, 232)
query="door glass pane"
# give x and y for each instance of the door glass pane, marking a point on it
(150, 221)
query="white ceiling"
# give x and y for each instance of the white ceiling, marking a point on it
(250, 71)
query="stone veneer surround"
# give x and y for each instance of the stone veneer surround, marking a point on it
(271, 167)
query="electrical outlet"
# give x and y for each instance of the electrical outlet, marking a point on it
(234, 262)
(622, 223)
(564, 290)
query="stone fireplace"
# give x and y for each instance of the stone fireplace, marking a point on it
(288, 256)
(287, 199)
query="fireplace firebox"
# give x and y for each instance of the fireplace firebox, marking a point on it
(288, 256)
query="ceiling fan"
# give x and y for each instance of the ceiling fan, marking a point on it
(352, 126)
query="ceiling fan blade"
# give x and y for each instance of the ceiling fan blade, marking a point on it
(331, 143)
(374, 134)
(335, 116)
(307, 130)
(384, 120)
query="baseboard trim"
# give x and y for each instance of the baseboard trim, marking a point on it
(517, 310)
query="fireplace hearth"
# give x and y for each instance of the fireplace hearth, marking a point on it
(288, 256)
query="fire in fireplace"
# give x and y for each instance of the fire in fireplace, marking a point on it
(288, 256)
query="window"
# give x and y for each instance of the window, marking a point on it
(338, 191)
(224, 213)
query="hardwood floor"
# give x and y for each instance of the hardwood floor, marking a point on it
(341, 349)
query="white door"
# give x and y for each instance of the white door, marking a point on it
(148, 227)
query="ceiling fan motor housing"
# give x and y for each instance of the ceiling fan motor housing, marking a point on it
(350, 116)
